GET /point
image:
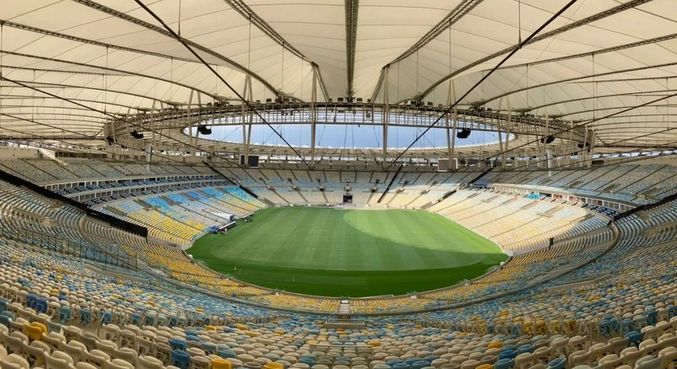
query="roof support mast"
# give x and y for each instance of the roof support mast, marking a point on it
(507, 130)
(592, 147)
(192, 126)
(498, 130)
(385, 115)
(247, 116)
(451, 135)
(313, 115)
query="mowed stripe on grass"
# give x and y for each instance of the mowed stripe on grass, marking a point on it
(348, 252)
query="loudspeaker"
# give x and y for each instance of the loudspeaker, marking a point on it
(204, 130)
(444, 165)
(463, 133)
(548, 139)
(253, 161)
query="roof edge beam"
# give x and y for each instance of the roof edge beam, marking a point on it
(351, 7)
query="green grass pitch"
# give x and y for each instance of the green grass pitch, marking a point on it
(341, 252)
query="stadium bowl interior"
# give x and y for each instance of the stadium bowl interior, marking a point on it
(464, 184)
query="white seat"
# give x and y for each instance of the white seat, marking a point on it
(58, 360)
(84, 365)
(149, 362)
(14, 361)
(3, 352)
(107, 346)
(117, 364)
(96, 357)
(54, 340)
(128, 355)
(110, 332)
(648, 362)
(36, 352)
(75, 349)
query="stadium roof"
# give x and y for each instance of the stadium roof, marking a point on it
(69, 66)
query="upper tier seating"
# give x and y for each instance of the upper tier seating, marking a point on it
(639, 182)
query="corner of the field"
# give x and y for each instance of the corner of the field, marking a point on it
(188, 245)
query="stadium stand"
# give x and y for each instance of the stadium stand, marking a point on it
(145, 144)
(615, 300)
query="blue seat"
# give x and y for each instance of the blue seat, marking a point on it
(504, 363)
(507, 354)
(210, 348)
(177, 344)
(180, 359)
(136, 318)
(651, 316)
(64, 314)
(3, 305)
(524, 348)
(627, 325)
(672, 312)
(8, 314)
(420, 364)
(106, 317)
(558, 363)
(85, 316)
(634, 337)
(41, 305)
(31, 301)
(400, 366)
(609, 326)
(307, 360)
(5, 320)
(227, 353)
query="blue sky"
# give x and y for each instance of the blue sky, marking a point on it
(349, 136)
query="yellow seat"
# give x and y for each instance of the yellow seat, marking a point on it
(485, 366)
(495, 344)
(273, 365)
(42, 327)
(32, 332)
(221, 364)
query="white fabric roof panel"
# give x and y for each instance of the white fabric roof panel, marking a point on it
(114, 56)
